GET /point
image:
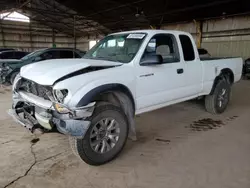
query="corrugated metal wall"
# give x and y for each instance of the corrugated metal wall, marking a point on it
(222, 37)
(34, 36)
(187, 27)
(227, 37)
(83, 43)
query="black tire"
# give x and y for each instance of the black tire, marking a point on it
(82, 147)
(212, 103)
(13, 76)
(72, 143)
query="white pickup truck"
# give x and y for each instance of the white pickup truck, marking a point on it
(94, 100)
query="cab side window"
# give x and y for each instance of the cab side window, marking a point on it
(164, 45)
(187, 48)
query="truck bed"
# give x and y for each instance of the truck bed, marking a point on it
(213, 66)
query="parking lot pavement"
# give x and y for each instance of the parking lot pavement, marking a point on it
(178, 146)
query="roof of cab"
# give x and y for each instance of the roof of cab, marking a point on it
(152, 32)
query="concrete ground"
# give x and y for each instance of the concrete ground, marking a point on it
(177, 147)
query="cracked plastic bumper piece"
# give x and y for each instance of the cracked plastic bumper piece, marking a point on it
(18, 119)
(27, 122)
(75, 128)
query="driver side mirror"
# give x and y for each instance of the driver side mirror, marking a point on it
(149, 60)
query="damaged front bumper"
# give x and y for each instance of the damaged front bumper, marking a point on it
(34, 112)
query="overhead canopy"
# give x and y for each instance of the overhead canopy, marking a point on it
(55, 15)
(127, 14)
(103, 16)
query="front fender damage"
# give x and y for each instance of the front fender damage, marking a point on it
(72, 127)
(74, 124)
(127, 106)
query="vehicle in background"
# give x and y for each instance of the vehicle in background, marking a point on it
(203, 53)
(12, 54)
(10, 68)
(246, 68)
(6, 49)
(95, 99)
(82, 53)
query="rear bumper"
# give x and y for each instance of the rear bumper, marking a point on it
(34, 112)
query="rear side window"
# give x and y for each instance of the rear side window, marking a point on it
(7, 55)
(19, 54)
(66, 54)
(76, 55)
(53, 54)
(187, 48)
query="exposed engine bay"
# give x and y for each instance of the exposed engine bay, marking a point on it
(44, 92)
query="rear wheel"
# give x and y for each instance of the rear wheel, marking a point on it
(217, 102)
(105, 137)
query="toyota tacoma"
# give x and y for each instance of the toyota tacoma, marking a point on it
(94, 100)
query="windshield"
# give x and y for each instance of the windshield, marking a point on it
(119, 47)
(31, 55)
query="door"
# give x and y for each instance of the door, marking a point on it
(162, 83)
(193, 67)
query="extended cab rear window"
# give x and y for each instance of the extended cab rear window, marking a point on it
(187, 48)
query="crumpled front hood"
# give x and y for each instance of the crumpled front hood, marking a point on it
(49, 71)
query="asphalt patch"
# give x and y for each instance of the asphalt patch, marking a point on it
(205, 124)
(162, 140)
(35, 140)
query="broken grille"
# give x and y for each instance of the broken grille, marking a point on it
(36, 89)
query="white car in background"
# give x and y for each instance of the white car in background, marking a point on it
(94, 100)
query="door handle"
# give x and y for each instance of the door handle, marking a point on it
(180, 71)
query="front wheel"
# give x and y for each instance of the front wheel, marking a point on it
(105, 137)
(217, 102)
(12, 77)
